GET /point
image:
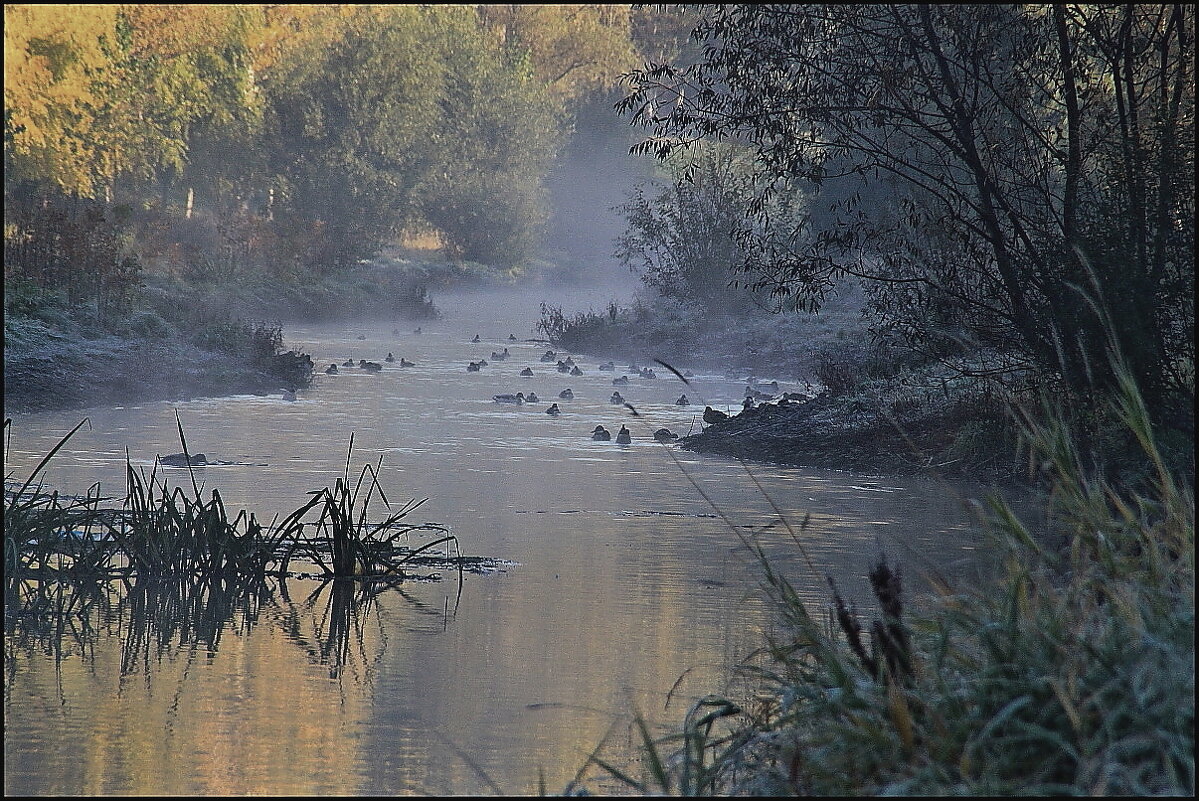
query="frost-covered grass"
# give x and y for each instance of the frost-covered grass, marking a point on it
(1072, 674)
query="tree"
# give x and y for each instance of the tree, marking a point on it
(995, 173)
(351, 124)
(498, 133)
(681, 239)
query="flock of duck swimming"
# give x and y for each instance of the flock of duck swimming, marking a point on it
(566, 366)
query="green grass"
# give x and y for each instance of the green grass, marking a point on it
(1072, 674)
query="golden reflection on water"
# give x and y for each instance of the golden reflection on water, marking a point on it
(626, 592)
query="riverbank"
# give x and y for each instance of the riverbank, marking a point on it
(50, 367)
(893, 428)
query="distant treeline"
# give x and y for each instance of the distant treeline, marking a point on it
(291, 139)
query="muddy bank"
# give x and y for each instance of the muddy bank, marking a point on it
(855, 434)
(44, 370)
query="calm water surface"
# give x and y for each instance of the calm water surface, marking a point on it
(621, 590)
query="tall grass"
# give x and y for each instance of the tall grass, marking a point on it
(1072, 674)
(162, 531)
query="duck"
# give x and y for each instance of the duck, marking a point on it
(417, 331)
(665, 435)
(532, 398)
(566, 394)
(511, 338)
(607, 366)
(623, 437)
(714, 416)
(648, 373)
(747, 404)
(549, 356)
(181, 460)
(553, 411)
(518, 398)
(348, 363)
(405, 363)
(331, 370)
(476, 339)
(575, 370)
(682, 401)
(362, 336)
(472, 367)
(563, 367)
(527, 372)
(601, 434)
(389, 358)
(620, 382)
(373, 367)
(616, 398)
(482, 362)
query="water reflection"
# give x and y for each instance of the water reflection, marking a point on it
(622, 588)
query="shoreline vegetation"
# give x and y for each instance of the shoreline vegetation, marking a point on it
(1072, 673)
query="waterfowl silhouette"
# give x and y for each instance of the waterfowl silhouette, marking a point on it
(348, 363)
(181, 460)
(648, 373)
(566, 394)
(575, 370)
(665, 435)
(331, 370)
(518, 398)
(713, 416)
(476, 339)
(389, 358)
(512, 337)
(620, 382)
(747, 404)
(532, 398)
(607, 366)
(553, 410)
(623, 437)
(405, 363)
(549, 356)
(527, 372)
(616, 398)
(373, 367)
(417, 331)
(482, 362)
(362, 336)
(472, 367)
(602, 434)
(682, 401)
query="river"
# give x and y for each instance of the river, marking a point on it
(620, 588)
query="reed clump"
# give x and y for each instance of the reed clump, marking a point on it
(164, 532)
(1072, 674)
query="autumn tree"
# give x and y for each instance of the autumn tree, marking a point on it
(1017, 178)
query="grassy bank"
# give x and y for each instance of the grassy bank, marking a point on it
(1072, 674)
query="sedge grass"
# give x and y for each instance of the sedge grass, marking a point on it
(1072, 674)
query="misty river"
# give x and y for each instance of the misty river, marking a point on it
(618, 590)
